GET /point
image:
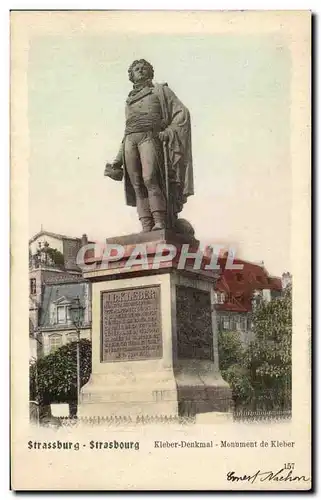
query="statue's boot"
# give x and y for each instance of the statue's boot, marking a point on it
(147, 224)
(144, 214)
(159, 219)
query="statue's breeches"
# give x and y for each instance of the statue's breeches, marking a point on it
(142, 159)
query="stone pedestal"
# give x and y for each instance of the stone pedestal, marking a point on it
(154, 338)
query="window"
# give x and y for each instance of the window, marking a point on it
(55, 341)
(33, 286)
(68, 315)
(219, 298)
(61, 314)
(266, 294)
(238, 323)
(243, 324)
(226, 322)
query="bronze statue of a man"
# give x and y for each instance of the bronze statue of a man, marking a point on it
(155, 153)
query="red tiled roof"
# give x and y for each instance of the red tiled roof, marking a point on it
(239, 284)
(221, 285)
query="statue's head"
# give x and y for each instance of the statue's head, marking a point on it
(140, 71)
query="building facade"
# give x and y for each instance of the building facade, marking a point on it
(56, 327)
(55, 286)
(237, 293)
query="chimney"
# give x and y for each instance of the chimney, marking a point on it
(84, 240)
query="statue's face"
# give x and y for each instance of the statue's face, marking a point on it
(140, 72)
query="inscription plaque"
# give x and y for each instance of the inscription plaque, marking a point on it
(194, 324)
(131, 324)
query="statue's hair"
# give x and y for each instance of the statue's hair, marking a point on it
(146, 63)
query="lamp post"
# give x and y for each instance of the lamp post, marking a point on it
(36, 378)
(76, 310)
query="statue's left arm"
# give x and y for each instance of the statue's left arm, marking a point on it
(178, 116)
(178, 134)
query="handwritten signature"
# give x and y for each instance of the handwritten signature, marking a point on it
(281, 475)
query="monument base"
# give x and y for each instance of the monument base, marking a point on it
(154, 342)
(138, 395)
(171, 393)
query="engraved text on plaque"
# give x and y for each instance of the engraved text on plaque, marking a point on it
(130, 324)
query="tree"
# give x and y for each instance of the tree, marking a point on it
(230, 349)
(53, 379)
(56, 256)
(233, 370)
(269, 355)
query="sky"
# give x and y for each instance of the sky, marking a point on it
(237, 88)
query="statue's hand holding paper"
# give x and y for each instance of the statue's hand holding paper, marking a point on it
(114, 171)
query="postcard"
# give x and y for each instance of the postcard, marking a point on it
(160, 243)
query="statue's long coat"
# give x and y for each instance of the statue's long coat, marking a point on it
(177, 120)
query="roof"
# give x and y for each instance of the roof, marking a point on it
(239, 284)
(53, 235)
(221, 285)
(65, 278)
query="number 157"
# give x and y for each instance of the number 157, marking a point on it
(288, 466)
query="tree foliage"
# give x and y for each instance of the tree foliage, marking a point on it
(238, 378)
(56, 256)
(230, 349)
(269, 356)
(270, 352)
(260, 374)
(53, 379)
(231, 356)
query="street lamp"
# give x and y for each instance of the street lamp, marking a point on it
(76, 313)
(36, 376)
